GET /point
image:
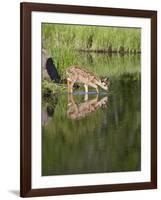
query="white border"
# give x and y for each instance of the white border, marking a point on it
(101, 178)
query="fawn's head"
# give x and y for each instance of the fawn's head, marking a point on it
(105, 83)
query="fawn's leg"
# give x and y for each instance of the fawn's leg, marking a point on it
(86, 97)
(70, 85)
(86, 88)
(86, 92)
(97, 89)
(97, 97)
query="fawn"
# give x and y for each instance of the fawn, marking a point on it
(78, 74)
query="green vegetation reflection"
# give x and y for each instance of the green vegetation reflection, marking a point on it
(107, 140)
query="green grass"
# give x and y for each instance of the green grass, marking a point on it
(90, 37)
(51, 87)
(100, 64)
(62, 43)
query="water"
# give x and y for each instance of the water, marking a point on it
(94, 133)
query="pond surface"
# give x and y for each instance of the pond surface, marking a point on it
(90, 133)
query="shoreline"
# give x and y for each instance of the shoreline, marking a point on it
(110, 51)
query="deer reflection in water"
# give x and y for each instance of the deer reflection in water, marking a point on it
(77, 111)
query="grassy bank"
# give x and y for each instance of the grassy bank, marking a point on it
(91, 38)
(90, 48)
(100, 64)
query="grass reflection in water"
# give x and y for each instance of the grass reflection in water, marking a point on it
(98, 134)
